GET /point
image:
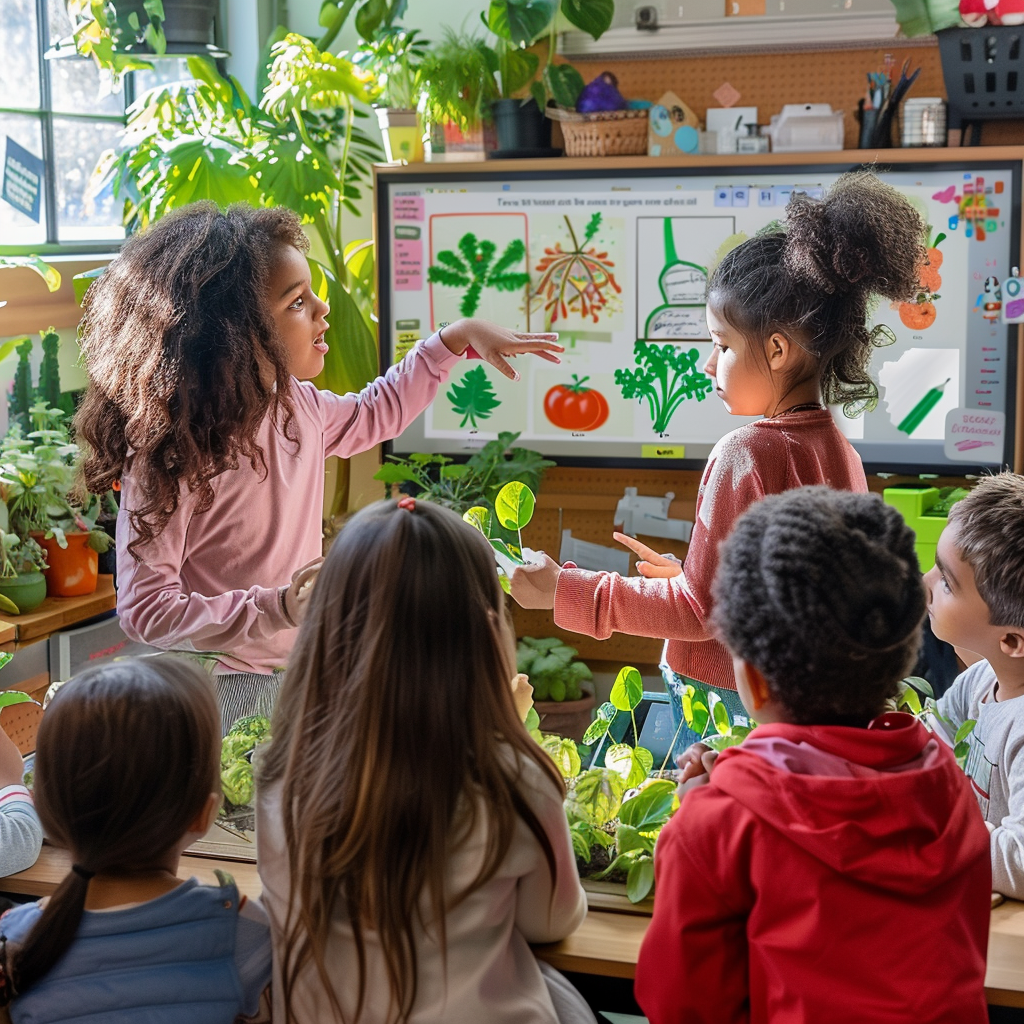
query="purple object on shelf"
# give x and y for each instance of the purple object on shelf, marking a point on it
(600, 95)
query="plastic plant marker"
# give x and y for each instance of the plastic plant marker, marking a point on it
(916, 416)
(628, 689)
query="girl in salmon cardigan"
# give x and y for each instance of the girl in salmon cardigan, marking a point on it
(787, 311)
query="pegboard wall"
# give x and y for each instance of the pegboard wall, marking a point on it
(770, 80)
(583, 500)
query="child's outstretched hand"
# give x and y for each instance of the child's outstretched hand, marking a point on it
(651, 564)
(533, 585)
(494, 343)
(299, 591)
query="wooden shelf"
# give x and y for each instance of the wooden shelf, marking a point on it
(56, 613)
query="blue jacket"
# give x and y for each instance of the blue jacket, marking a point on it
(187, 957)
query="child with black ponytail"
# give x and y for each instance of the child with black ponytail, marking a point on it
(127, 777)
(788, 314)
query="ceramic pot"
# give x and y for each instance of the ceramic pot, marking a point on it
(568, 718)
(403, 134)
(27, 590)
(73, 570)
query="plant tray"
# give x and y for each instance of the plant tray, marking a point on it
(612, 896)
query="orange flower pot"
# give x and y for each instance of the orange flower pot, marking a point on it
(73, 570)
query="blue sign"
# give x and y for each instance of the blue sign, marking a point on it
(23, 179)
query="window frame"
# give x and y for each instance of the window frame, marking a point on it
(45, 113)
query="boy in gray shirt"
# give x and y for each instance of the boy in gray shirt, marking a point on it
(976, 603)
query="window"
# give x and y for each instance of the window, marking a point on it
(63, 113)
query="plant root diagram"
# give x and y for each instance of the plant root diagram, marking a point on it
(666, 376)
(575, 407)
(577, 280)
(473, 397)
(473, 267)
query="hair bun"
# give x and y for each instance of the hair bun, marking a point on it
(863, 235)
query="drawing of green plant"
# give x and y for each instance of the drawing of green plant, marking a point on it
(471, 268)
(473, 397)
(666, 376)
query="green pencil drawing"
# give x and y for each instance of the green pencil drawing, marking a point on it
(473, 268)
(666, 376)
(473, 397)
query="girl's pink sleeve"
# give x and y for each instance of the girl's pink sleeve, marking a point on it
(598, 604)
(354, 423)
(155, 609)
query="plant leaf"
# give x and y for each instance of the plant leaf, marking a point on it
(514, 507)
(8, 698)
(628, 839)
(920, 684)
(351, 361)
(532, 719)
(651, 807)
(628, 689)
(564, 83)
(564, 753)
(592, 16)
(520, 21)
(720, 715)
(964, 731)
(640, 880)
(597, 796)
(51, 275)
(479, 517)
(597, 728)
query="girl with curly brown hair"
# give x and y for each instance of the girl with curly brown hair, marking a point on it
(787, 311)
(200, 340)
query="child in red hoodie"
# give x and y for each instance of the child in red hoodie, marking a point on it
(791, 879)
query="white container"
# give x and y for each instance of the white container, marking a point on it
(924, 121)
(806, 127)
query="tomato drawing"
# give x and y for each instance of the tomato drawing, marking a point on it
(575, 407)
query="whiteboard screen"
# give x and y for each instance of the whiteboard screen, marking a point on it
(617, 263)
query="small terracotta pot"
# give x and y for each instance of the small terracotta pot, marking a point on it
(568, 718)
(73, 570)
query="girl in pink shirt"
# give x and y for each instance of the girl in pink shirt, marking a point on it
(787, 311)
(200, 340)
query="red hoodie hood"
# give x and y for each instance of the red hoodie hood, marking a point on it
(886, 805)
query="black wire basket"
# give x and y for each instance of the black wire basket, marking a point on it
(984, 73)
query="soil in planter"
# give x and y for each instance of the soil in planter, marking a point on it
(600, 858)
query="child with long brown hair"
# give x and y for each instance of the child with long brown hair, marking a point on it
(200, 340)
(411, 836)
(126, 777)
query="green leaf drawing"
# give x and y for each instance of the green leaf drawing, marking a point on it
(628, 689)
(666, 376)
(473, 397)
(474, 269)
(514, 506)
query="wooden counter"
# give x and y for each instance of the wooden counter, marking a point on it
(57, 612)
(607, 943)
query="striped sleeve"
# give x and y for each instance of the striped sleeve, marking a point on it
(21, 835)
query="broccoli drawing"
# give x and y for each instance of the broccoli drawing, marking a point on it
(474, 269)
(666, 376)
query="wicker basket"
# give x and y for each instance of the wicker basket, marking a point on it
(615, 133)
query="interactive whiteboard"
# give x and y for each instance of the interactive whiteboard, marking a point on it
(616, 260)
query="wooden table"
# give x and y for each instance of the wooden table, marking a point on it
(57, 612)
(607, 943)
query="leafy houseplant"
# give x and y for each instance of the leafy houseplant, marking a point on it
(37, 479)
(22, 583)
(394, 58)
(460, 486)
(562, 692)
(459, 84)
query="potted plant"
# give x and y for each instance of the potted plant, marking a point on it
(523, 23)
(121, 37)
(562, 691)
(395, 57)
(22, 583)
(37, 477)
(459, 87)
